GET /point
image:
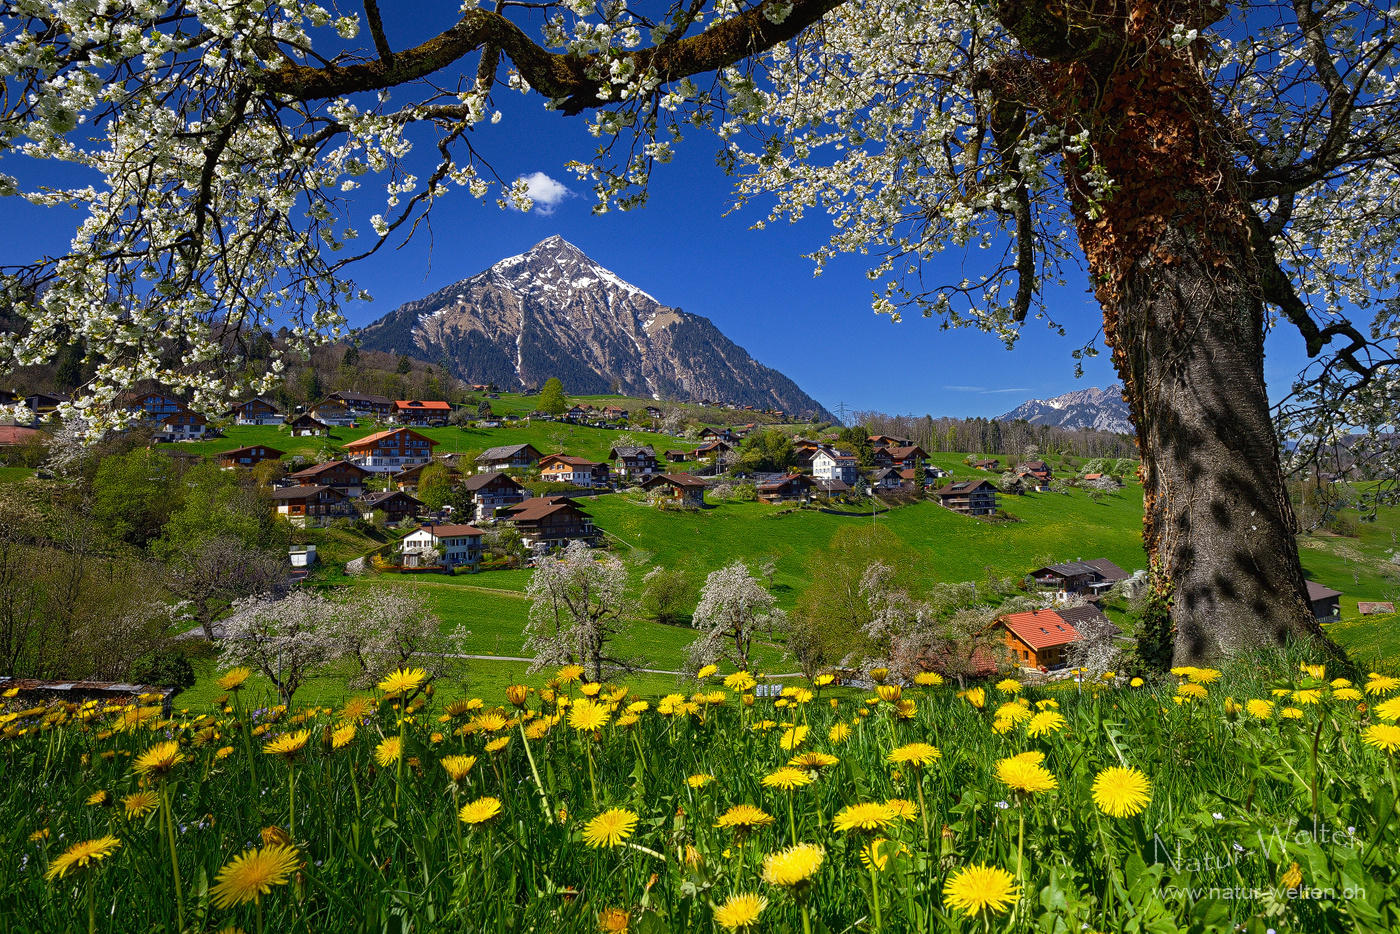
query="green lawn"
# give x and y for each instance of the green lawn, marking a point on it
(11, 474)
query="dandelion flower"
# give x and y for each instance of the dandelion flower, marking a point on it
(480, 811)
(1307, 696)
(587, 716)
(357, 708)
(457, 767)
(916, 754)
(1314, 671)
(233, 680)
(1014, 712)
(1383, 736)
(876, 854)
(904, 810)
(787, 778)
(1203, 675)
(705, 672)
(614, 920)
(1348, 694)
(1389, 710)
(610, 828)
(813, 761)
(249, 876)
(591, 689)
(743, 818)
(1122, 792)
(1009, 686)
(870, 815)
(1136, 683)
(139, 803)
(1291, 713)
(1047, 721)
(977, 889)
(793, 867)
(97, 798)
(1292, 878)
(740, 912)
(977, 697)
(889, 693)
(81, 855)
(288, 744)
(839, 733)
(1025, 776)
(569, 674)
(159, 760)
(1002, 727)
(1192, 690)
(342, 736)
(699, 781)
(389, 751)
(1381, 684)
(624, 721)
(740, 681)
(928, 678)
(793, 737)
(496, 745)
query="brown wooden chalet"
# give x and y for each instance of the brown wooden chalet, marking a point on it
(256, 412)
(249, 456)
(633, 463)
(408, 478)
(420, 412)
(307, 424)
(509, 457)
(491, 492)
(712, 449)
(155, 405)
(969, 497)
(184, 425)
(333, 411)
(678, 457)
(1037, 639)
(360, 403)
(1080, 577)
(312, 505)
(991, 464)
(344, 476)
(391, 451)
(681, 487)
(580, 471)
(1326, 603)
(789, 488)
(395, 504)
(550, 522)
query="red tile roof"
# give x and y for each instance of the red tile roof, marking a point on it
(1040, 629)
(417, 404)
(369, 440)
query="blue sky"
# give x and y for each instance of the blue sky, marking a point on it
(756, 286)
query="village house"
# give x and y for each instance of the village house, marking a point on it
(184, 425)
(633, 463)
(256, 412)
(789, 488)
(680, 487)
(550, 522)
(418, 412)
(332, 411)
(363, 404)
(491, 492)
(886, 479)
(835, 465)
(42, 403)
(906, 457)
(152, 405)
(969, 497)
(562, 468)
(992, 464)
(17, 435)
(1088, 578)
(654, 412)
(442, 545)
(1326, 603)
(1037, 639)
(249, 456)
(678, 457)
(711, 450)
(611, 412)
(312, 505)
(1038, 469)
(824, 487)
(1375, 608)
(509, 457)
(888, 441)
(341, 475)
(395, 504)
(306, 424)
(408, 478)
(718, 434)
(391, 451)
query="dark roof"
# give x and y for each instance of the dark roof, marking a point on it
(784, 480)
(368, 440)
(1072, 569)
(1107, 569)
(675, 479)
(539, 507)
(302, 492)
(645, 451)
(1318, 592)
(265, 402)
(504, 452)
(271, 451)
(1087, 619)
(374, 499)
(831, 486)
(570, 460)
(327, 466)
(346, 396)
(883, 472)
(964, 486)
(478, 481)
(308, 417)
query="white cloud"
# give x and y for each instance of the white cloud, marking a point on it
(545, 192)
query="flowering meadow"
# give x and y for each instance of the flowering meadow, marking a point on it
(1260, 799)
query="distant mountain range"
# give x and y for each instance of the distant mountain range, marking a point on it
(1103, 409)
(554, 312)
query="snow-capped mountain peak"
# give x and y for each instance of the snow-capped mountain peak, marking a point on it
(1102, 409)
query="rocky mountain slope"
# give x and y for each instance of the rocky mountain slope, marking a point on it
(1103, 409)
(554, 312)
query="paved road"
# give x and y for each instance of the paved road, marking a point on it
(649, 671)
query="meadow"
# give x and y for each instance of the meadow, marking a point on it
(1260, 798)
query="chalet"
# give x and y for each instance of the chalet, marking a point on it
(835, 465)
(1037, 639)
(41, 403)
(993, 465)
(450, 545)
(886, 478)
(256, 412)
(395, 504)
(8, 397)
(307, 424)
(184, 425)
(407, 479)
(711, 450)
(1038, 469)
(249, 456)
(681, 487)
(511, 457)
(678, 457)
(390, 451)
(418, 412)
(888, 441)
(153, 405)
(361, 404)
(824, 487)
(1326, 603)
(633, 463)
(789, 488)
(561, 468)
(612, 412)
(718, 434)
(342, 476)
(937, 473)
(969, 497)
(550, 522)
(578, 411)
(654, 412)
(905, 457)
(1377, 608)
(1080, 577)
(491, 492)
(312, 505)
(333, 412)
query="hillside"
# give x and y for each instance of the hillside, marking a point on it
(553, 312)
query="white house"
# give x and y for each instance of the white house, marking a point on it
(454, 545)
(835, 465)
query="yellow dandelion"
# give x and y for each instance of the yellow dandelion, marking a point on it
(977, 697)
(839, 733)
(82, 855)
(1348, 694)
(1381, 684)
(822, 681)
(341, 736)
(614, 920)
(1259, 709)
(787, 778)
(740, 912)
(159, 760)
(705, 672)
(587, 716)
(1383, 736)
(1192, 690)
(699, 781)
(1203, 675)
(1009, 686)
(591, 689)
(793, 867)
(793, 737)
(1047, 721)
(480, 811)
(403, 681)
(813, 761)
(457, 767)
(977, 889)
(928, 679)
(740, 681)
(889, 693)
(1388, 710)
(496, 745)
(98, 798)
(1002, 727)
(250, 876)
(904, 810)
(1025, 776)
(288, 744)
(1122, 792)
(1136, 683)
(1314, 671)
(389, 751)
(139, 803)
(610, 828)
(234, 679)
(640, 706)
(1016, 713)
(869, 815)
(1291, 713)
(569, 674)
(626, 720)
(743, 818)
(916, 754)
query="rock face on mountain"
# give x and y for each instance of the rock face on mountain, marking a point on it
(1103, 409)
(555, 312)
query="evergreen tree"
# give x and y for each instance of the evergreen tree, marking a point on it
(405, 365)
(351, 358)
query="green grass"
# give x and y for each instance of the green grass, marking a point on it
(11, 474)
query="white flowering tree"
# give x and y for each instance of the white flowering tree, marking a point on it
(578, 606)
(383, 627)
(1218, 168)
(289, 640)
(734, 607)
